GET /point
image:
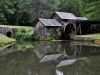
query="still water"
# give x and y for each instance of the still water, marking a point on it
(50, 58)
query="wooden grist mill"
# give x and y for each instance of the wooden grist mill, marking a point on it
(65, 24)
(78, 27)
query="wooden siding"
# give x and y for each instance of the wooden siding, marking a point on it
(55, 16)
(45, 31)
(53, 29)
(41, 29)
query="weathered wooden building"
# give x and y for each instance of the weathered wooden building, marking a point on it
(44, 27)
(71, 24)
(65, 24)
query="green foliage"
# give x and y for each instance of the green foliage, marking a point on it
(23, 45)
(50, 38)
(22, 30)
(53, 35)
(26, 19)
(24, 12)
(90, 9)
(5, 40)
(35, 36)
(2, 19)
(70, 6)
(6, 8)
(43, 8)
(23, 35)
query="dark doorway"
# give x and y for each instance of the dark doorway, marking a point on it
(9, 34)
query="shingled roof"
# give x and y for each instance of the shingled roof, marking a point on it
(82, 18)
(65, 15)
(50, 22)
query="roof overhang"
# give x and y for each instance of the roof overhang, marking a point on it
(83, 21)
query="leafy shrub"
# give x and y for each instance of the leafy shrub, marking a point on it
(23, 30)
(53, 35)
(35, 36)
(23, 35)
(50, 38)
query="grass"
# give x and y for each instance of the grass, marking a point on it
(18, 27)
(28, 31)
(95, 36)
(87, 37)
(3, 47)
(5, 40)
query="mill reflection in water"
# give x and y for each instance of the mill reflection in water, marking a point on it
(50, 58)
(65, 53)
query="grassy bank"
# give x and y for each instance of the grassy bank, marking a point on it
(22, 32)
(89, 37)
(18, 27)
(95, 36)
(5, 40)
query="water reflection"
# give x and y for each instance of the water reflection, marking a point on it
(65, 53)
(7, 50)
(50, 58)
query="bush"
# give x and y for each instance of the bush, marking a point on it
(22, 30)
(54, 35)
(35, 36)
(50, 38)
(23, 35)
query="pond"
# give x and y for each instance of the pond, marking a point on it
(50, 58)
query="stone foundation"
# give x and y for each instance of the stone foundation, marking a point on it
(7, 31)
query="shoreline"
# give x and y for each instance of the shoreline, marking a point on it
(4, 40)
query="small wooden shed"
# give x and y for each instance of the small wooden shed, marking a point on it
(44, 27)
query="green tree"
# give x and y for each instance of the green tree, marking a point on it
(43, 8)
(57, 3)
(26, 19)
(6, 9)
(90, 9)
(20, 7)
(70, 6)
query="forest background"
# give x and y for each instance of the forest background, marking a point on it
(25, 12)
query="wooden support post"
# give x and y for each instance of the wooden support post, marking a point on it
(80, 31)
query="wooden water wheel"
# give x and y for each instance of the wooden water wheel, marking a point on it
(67, 30)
